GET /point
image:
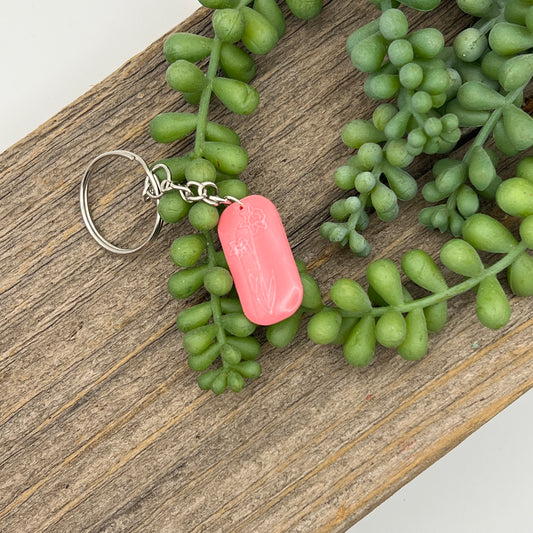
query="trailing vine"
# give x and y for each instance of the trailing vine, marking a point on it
(217, 329)
(431, 92)
(477, 82)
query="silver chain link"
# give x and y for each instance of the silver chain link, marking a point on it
(192, 191)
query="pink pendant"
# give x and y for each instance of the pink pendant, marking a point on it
(260, 260)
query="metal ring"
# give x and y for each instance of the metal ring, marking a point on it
(86, 213)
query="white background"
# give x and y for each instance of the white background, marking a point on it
(53, 51)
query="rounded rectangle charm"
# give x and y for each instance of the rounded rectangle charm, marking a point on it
(260, 260)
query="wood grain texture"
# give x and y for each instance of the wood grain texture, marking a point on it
(102, 426)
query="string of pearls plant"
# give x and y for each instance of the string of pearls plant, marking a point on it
(217, 329)
(433, 93)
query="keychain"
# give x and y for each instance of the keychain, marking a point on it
(251, 234)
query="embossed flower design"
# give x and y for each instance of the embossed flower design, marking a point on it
(256, 219)
(239, 247)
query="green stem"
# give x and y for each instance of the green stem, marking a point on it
(215, 300)
(205, 98)
(451, 203)
(353, 219)
(438, 297)
(484, 26)
(486, 130)
(203, 111)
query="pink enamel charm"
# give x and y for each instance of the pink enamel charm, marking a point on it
(260, 260)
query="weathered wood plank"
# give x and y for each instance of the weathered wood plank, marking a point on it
(102, 426)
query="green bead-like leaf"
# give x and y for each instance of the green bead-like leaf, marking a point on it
(476, 96)
(492, 64)
(520, 275)
(219, 4)
(198, 340)
(481, 169)
(515, 197)
(228, 25)
(508, 39)
(503, 143)
(384, 277)
(436, 316)
(218, 281)
(526, 231)
(283, 333)
(467, 201)
(391, 328)
(350, 296)
(185, 77)
(420, 268)
(249, 369)
(467, 118)
(247, 346)
(219, 133)
(478, 8)
(452, 178)
(204, 360)
(205, 381)
(421, 5)
(360, 345)
(220, 383)
(236, 63)
(516, 72)
(230, 305)
(462, 258)
(492, 307)
(485, 233)
(324, 327)
(233, 187)
(172, 207)
(385, 202)
(203, 217)
(401, 182)
(470, 45)
(305, 9)
(185, 251)
(186, 282)
(235, 381)
(271, 11)
(169, 127)
(357, 132)
(230, 354)
(237, 324)
(369, 53)
(259, 35)
(397, 126)
(236, 95)
(382, 86)
(312, 299)
(194, 317)
(227, 158)
(518, 126)
(415, 344)
(187, 46)
(524, 168)
(393, 24)
(427, 42)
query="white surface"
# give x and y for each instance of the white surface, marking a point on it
(52, 52)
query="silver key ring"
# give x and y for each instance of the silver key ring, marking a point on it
(86, 213)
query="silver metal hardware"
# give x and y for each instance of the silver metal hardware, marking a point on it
(192, 191)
